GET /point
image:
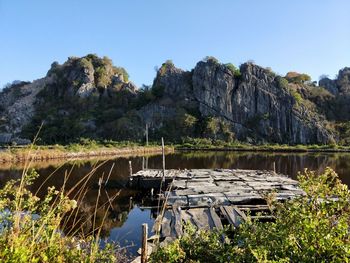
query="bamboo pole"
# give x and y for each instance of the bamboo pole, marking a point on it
(163, 155)
(130, 168)
(144, 243)
(130, 203)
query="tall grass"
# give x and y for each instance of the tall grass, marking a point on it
(49, 229)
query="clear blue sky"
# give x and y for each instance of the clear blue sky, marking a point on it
(311, 36)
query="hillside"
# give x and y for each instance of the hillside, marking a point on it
(89, 97)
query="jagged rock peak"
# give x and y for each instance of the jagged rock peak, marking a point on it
(340, 85)
(89, 75)
(172, 81)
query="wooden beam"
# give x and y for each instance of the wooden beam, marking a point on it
(144, 249)
(178, 221)
(215, 218)
(230, 215)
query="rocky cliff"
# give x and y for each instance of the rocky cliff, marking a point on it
(255, 104)
(90, 97)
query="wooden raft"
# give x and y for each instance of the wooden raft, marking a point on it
(210, 198)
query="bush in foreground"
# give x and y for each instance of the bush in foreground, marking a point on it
(31, 228)
(310, 228)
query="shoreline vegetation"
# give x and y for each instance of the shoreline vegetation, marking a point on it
(91, 148)
(50, 228)
(304, 229)
(204, 144)
(75, 151)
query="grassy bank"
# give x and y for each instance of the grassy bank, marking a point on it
(218, 145)
(76, 151)
(91, 148)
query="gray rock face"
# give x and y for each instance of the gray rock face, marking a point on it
(176, 82)
(329, 85)
(255, 105)
(18, 104)
(343, 81)
(213, 85)
(177, 91)
(341, 85)
(5, 138)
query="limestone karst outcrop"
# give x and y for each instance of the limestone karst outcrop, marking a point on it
(89, 97)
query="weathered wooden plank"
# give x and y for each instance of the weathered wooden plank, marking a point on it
(215, 218)
(230, 215)
(166, 230)
(254, 208)
(230, 183)
(205, 186)
(174, 199)
(243, 197)
(199, 218)
(207, 199)
(240, 212)
(186, 217)
(178, 221)
(185, 192)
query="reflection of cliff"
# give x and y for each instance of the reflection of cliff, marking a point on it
(286, 163)
(54, 174)
(112, 211)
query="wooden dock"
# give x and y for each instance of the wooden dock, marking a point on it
(212, 198)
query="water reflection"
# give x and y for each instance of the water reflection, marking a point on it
(121, 211)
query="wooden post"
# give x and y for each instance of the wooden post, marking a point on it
(144, 243)
(274, 167)
(130, 168)
(163, 155)
(130, 203)
(146, 134)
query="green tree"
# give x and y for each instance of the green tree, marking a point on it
(297, 78)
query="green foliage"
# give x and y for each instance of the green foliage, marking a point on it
(102, 79)
(296, 95)
(66, 117)
(182, 124)
(212, 127)
(254, 121)
(211, 59)
(309, 228)
(282, 83)
(195, 246)
(121, 71)
(344, 131)
(270, 72)
(31, 227)
(86, 63)
(320, 93)
(165, 67)
(235, 71)
(217, 129)
(158, 91)
(297, 78)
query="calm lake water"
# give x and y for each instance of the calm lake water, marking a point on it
(128, 208)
